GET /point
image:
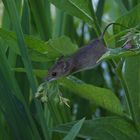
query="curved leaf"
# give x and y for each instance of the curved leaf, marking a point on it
(74, 130)
(119, 52)
(132, 77)
(132, 66)
(130, 20)
(78, 8)
(39, 50)
(108, 128)
(101, 96)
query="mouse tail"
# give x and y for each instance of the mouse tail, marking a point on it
(112, 23)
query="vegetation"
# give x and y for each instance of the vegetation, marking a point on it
(99, 104)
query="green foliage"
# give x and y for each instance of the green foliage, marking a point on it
(76, 8)
(101, 96)
(131, 75)
(103, 128)
(119, 52)
(33, 35)
(39, 50)
(74, 130)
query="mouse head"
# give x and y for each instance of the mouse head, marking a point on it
(58, 70)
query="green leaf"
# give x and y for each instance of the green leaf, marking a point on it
(12, 104)
(63, 45)
(132, 77)
(15, 20)
(107, 128)
(132, 66)
(78, 8)
(15, 114)
(41, 14)
(121, 6)
(39, 73)
(74, 130)
(39, 50)
(101, 96)
(131, 19)
(119, 52)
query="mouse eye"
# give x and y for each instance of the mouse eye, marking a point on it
(54, 73)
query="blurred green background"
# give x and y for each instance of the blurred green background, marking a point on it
(100, 104)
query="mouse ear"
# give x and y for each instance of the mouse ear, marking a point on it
(60, 59)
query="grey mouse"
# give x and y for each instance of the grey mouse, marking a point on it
(85, 58)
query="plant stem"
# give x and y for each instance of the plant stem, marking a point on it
(95, 21)
(120, 76)
(118, 71)
(128, 98)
